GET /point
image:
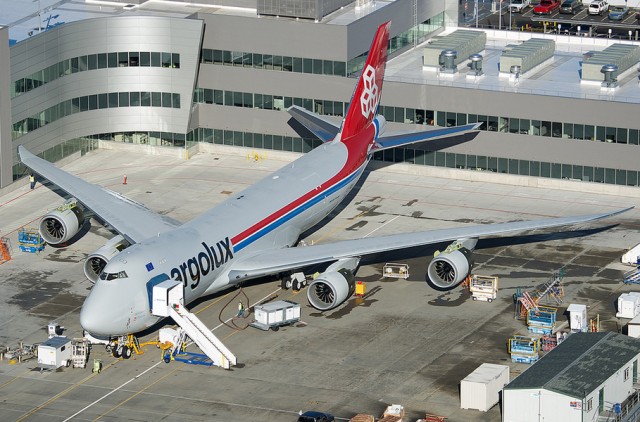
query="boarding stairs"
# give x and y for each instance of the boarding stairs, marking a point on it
(529, 302)
(202, 336)
(167, 300)
(553, 287)
(633, 276)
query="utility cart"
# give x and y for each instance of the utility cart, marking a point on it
(395, 270)
(275, 315)
(483, 287)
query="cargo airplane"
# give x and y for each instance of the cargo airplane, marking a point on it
(255, 232)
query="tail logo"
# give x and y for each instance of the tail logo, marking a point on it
(370, 93)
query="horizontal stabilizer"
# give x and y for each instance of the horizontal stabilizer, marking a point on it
(393, 141)
(318, 125)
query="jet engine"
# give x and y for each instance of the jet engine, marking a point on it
(331, 289)
(61, 224)
(96, 261)
(451, 266)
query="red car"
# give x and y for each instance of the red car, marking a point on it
(546, 7)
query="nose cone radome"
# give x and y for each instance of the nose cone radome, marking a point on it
(107, 310)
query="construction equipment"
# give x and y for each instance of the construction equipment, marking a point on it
(542, 320)
(29, 240)
(483, 287)
(524, 349)
(395, 270)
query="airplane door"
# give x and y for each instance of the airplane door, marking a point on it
(153, 282)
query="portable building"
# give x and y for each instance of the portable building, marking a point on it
(586, 376)
(480, 389)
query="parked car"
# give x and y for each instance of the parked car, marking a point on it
(618, 13)
(570, 6)
(518, 6)
(546, 7)
(598, 7)
(313, 416)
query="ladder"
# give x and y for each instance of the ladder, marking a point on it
(528, 302)
(553, 288)
(205, 339)
(632, 276)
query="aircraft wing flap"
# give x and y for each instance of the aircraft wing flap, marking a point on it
(129, 218)
(270, 262)
(397, 140)
(323, 128)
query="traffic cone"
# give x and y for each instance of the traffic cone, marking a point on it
(124, 180)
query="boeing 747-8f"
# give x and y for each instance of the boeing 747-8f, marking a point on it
(255, 232)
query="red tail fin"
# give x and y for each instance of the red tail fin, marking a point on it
(366, 97)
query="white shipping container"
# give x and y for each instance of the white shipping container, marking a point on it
(480, 390)
(628, 305)
(633, 328)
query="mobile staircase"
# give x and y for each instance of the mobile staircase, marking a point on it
(633, 276)
(168, 300)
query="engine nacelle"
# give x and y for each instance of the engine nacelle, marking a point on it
(61, 224)
(330, 289)
(96, 261)
(450, 268)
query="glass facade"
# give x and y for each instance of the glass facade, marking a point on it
(94, 102)
(416, 34)
(93, 62)
(398, 155)
(408, 115)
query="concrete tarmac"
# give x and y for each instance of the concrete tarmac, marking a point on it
(403, 343)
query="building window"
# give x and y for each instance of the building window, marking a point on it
(589, 404)
(626, 373)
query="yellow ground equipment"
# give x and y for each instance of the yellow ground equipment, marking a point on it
(483, 287)
(395, 270)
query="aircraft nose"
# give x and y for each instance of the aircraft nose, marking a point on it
(100, 314)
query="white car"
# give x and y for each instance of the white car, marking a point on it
(598, 7)
(518, 6)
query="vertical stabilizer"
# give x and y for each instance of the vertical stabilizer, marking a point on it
(366, 97)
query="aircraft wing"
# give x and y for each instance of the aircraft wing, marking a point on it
(323, 128)
(129, 218)
(398, 140)
(269, 262)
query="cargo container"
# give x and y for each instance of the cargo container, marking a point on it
(54, 353)
(480, 390)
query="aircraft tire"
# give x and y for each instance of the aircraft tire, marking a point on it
(126, 352)
(286, 283)
(117, 352)
(296, 285)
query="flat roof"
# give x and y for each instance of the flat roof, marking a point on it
(570, 368)
(558, 77)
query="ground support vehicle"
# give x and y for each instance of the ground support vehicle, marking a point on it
(272, 316)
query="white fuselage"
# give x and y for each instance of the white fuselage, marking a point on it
(268, 215)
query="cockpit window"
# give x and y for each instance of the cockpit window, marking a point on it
(113, 276)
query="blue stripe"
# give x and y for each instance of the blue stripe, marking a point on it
(297, 211)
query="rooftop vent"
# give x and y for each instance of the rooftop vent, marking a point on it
(610, 76)
(476, 64)
(447, 61)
